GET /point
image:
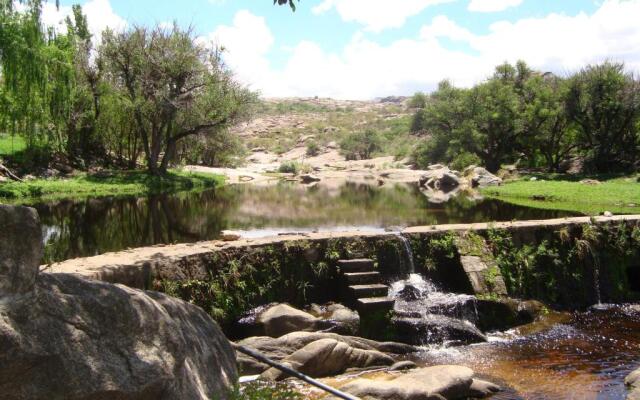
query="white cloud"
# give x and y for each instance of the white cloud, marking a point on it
(365, 69)
(377, 15)
(246, 44)
(99, 14)
(492, 5)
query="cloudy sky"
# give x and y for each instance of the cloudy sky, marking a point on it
(361, 49)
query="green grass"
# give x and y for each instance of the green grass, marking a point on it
(115, 183)
(10, 145)
(620, 195)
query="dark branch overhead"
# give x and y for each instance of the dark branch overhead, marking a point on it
(290, 2)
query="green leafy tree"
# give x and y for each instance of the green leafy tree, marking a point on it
(418, 100)
(175, 88)
(604, 103)
(547, 131)
(444, 119)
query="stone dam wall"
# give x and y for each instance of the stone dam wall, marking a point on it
(570, 262)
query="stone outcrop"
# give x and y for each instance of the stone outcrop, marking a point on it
(440, 382)
(436, 329)
(280, 348)
(480, 177)
(63, 337)
(277, 319)
(328, 357)
(336, 318)
(282, 319)
(633, 383)
(506, 313)
(441, 178)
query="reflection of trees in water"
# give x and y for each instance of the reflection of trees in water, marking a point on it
(88, 227)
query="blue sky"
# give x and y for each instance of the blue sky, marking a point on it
(370, 48)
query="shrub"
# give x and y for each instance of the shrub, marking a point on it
(289, 167)
(463, 160)
(313, 148)
(361, 145)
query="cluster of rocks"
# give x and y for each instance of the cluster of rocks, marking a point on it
(440, 183)
(307, 342)
(62, 337)
(633, 383)
(275, 320)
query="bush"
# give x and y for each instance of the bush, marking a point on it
(463, 160)
(313, 148)
(361, 145)
(289, 167)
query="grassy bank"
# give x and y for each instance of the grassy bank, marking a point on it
(619, 195)
(115, 183)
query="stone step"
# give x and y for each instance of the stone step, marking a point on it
(375, 304)
(356, 265)
(373, 290)
(362, 278)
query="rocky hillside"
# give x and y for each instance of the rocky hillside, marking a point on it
(295, 124)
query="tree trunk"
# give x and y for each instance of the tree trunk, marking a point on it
(6, 172)
(168, 154)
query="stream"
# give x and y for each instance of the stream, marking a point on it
(580, 355)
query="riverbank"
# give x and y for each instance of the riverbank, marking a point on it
(620, 195)
(106, 183)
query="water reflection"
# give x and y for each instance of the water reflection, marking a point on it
(94, 226)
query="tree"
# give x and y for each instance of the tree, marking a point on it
(604, 103)
(418, 100)
(547, 131)
(175, 88)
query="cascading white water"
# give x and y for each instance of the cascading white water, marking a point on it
(408, 253)
(430, 298)
(424, 314)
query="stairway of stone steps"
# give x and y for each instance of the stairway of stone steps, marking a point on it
(364, 285)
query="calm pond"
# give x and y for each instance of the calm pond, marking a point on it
(78, 228)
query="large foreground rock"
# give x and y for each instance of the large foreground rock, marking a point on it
(62, 337)
(328, 357)
(440, 382)
(633, 382)
(280, 348)
(20, 250)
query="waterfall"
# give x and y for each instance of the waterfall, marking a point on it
(424, 314)
(596, 280)
(408, 253)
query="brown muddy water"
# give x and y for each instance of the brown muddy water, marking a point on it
(580, 356)
(585, 356)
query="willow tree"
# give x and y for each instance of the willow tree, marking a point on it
(36, 73)
(176, 88)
